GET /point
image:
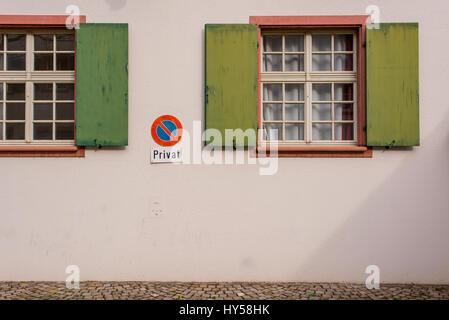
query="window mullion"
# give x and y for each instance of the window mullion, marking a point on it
(29, 89)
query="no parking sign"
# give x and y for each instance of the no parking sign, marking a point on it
(166, 132)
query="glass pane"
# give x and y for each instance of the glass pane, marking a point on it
(321, 62)
(2, 42)
(1, 111)
(43, 131)
(343, 62)
(16, 42)
(321, 111)
(294, 92)
(294, 131)
(294, 43)
(321, 91)
(272, 131)
(15, 62)
(43, 42)
(343, 91)
(272, 111)
(43, 91)
(343, 111)
(64, 131)
(65, 111)
(343, 42)
(294, 112)
(1, 61)
(272, 62)
(65, 42)
(15, 131)
(1, 91)
(43, 61)
(294, 62)
(344, 131)
(272, 92)
(1, 131)
(15, 111)
(321, 131)
(65, 91)
(272, 43)
(321, 42)
(65, 61)
(15, 91)
(43, 111)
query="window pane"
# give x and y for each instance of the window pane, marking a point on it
(272, 62)
(272, 92)
(43, 111)
(2, 42)
(343, 42)
(321, 42)
(15, 111)
(1, 111)
(294, 112)
(43, 61)
(15, 62)
(65, 91)
(1, 61)
(343, 62)
(16, 42)
(64, 131)
(65, 111)
(15, 131)
(321, 131)
(321, 111)
(321, 62)
(65, 61)
(272, 131)
(272, 43)
(65, 42)
(43, 91)
(294, 92)
(43, 42)
(294, 62)
(1, 91)
(1, 131)
(15, 91)
(272, 111)
(343, 91)
(294, 131)
(43, 131)
(294, 43)
(343, 111)
(321, 91)
(344, 131)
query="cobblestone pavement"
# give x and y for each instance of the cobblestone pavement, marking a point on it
(218, 291)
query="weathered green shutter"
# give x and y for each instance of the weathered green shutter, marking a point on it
(231, 79)
(102, 85)
(392, 84)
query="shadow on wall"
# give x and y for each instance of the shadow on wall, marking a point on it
(403, 227)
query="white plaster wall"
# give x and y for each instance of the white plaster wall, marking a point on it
(315, 220)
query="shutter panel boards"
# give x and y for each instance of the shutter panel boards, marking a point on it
(392, 84)
(231, 80)
(102, 85)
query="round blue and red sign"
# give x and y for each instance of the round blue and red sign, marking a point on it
(166, 130)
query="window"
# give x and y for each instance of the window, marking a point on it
(309, 82)
(37, 75)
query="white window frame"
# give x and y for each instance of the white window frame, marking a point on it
(29, 77)
(308, 77)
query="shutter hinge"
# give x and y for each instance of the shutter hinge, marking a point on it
(364, 128)
(364, 43)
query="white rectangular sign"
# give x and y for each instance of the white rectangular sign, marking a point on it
(166, 154)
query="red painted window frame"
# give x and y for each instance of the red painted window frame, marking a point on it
(356, 22)
(34, 22)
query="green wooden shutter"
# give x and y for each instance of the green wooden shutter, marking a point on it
(231, 80)
(102, 85)
(392, 84)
